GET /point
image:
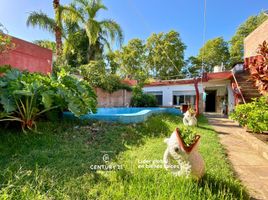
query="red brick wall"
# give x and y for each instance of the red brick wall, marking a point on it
(254, 39)
(28, 56)
(119, 98)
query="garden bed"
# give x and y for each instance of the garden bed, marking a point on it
(59, 163)
(261, 136)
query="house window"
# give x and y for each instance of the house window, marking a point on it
(180, 98)
(158, 95)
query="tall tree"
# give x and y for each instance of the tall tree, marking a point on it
(99, 33)
(75, 49)
(165, 54)
(131, 59)
(111, 61)
(237, 41)
(47, 23)
(214, 52)
(46, 44)
(192, 67)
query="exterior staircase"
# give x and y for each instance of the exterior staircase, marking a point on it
(246, 85)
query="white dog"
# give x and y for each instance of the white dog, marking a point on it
(189, 119)
(187, 159)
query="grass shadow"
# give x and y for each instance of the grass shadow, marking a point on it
(73, 146)
(62, 156)
(217, 184)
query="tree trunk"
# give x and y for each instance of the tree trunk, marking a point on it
(58, 35)
(95, 51)
(197, 96)
(58, 31)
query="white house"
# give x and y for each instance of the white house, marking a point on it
(216, 93)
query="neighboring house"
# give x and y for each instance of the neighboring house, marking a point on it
(215, 92)
(28, 56)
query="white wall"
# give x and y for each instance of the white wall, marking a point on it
(168, 91)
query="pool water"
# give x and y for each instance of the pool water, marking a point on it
(124, 115)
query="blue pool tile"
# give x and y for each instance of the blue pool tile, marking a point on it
(124, 115)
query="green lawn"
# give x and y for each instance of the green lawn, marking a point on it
(56, 164)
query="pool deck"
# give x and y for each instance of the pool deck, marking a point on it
(247, 154)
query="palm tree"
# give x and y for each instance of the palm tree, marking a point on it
(58, 27)
(47, 23)
(99, 33)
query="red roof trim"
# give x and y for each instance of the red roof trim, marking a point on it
(206, 77)
(170, 82)
(130, 82)
(219, 75)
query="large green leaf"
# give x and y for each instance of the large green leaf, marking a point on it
(47, 98)
(3, 83)
(23, 93)
(8, 103)
(74, 107)
(13, 74)
(25, 96)
(3, 115)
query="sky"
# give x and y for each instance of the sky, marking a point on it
(141, 18)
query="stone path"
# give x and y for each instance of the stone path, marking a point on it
(247, 154)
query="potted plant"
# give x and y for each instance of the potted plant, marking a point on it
(181, 156)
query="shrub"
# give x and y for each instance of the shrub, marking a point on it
(4, 68)
(188, 135)
(252, 115)
(6, 43)
(25, 96)
(95, 74)
(139, 99)
(259, 69)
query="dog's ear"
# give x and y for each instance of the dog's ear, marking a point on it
(166, 140)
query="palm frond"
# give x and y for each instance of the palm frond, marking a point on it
(41, 20)
(114, 30)
(94, 7)
(84, 3)
(93, 29)
(72, 14)
(106, 43)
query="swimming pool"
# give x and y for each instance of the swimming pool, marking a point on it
(124, 115)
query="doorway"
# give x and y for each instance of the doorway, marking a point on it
(211, 101)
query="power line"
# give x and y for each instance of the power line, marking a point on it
(204, 34)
